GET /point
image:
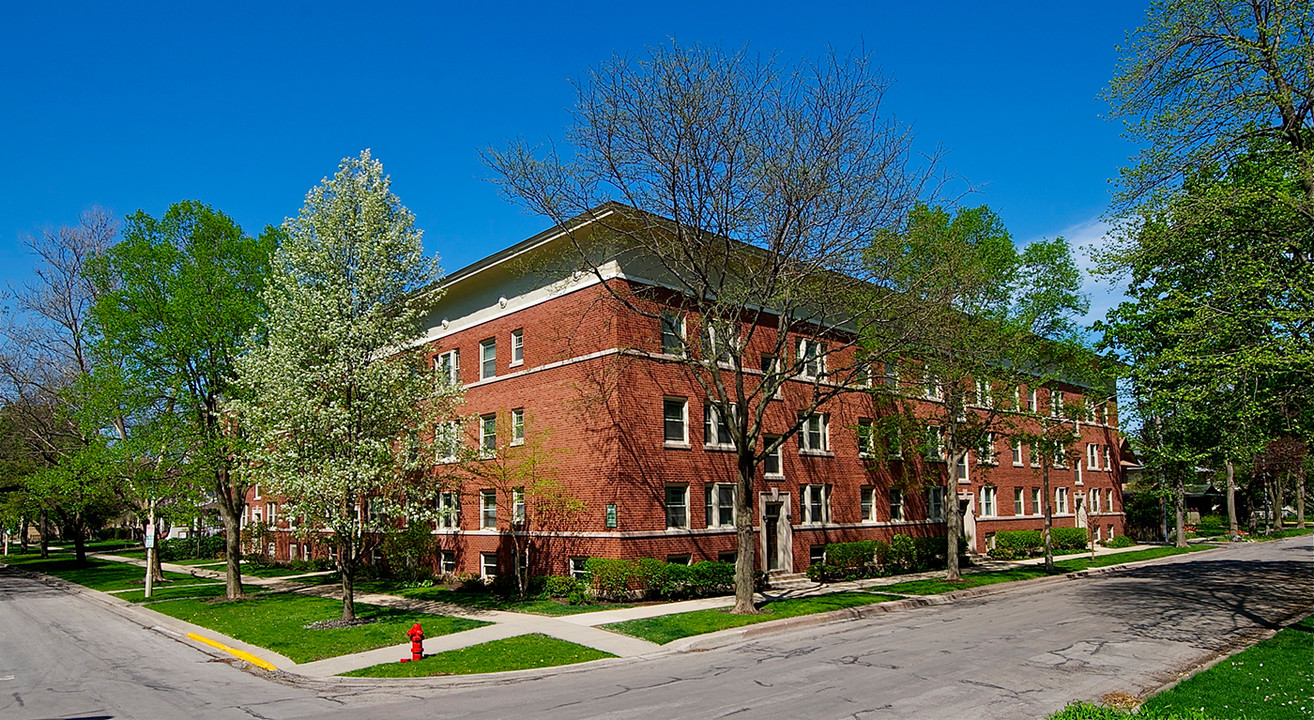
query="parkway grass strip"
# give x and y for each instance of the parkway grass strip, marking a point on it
(515, 653)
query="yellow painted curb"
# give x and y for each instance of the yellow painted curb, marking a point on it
(234, 651)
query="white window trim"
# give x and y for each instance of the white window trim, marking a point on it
(449, 364)
(684, 422)
(811, 352)
(989, 502)
(780, 459)
(935, 444)
(931, 514)
(517, 347)
(484, 345)
(866, 438)
(806, 501)
(518, 426)
(1017, 454)
(484, 564)
(449, 509)
(712, 500)
(680, 333)
(804, 444)
(712, 427)
(484, 435)
(990, 456)
(1019, 501)
(485, 506)
(901, 514)
(666, 506)
(867, 497)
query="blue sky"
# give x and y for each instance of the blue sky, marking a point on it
(245, 106)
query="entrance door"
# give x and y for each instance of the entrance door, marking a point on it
(771, 529)
(965, 506)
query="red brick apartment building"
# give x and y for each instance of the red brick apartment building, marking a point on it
(553, 358)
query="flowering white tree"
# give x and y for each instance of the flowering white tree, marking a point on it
(338, 392)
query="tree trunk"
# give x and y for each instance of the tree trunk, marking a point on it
(22, 539)
(1045, 534)
(1300, 500)
(953, 520)
(348, 572)
(1179, 505)
(745, 554)
(1233, 532)
(45, 534)
(79, 543)
(231, 500)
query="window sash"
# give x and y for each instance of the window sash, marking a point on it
(487, 359)
(488, 432)
(674, 420)
(771, 463)
(677, 506)
(517, 346)
(517, 426)
(896, 505)
(672, 333)
(488, 510)
(935, 503)
(868, 504)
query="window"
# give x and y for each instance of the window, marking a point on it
(1098, 535)
(985, 453)
(717, 343)
(1033, 400)
(816, 504)
(1061, 500)
(577, 570)
(894, 442)
(675, 418)
(1108, 495)
(677, 506)
(1077, 471)
(862, 367)
(518, 426)
(305, 552)
(448, 365)
(446, 440)
(672, 332)
(1095, 501)
(1019, 503)
(985, 394)
(293, 551)
(488, 433)
(814, 436)
(487, 359)
(935, 503)
(727, 556)
(811, 358)
(963, 468)
(1107, 465)
(892, 376)
(988, 498)
(257, 491)
(1035, 502)
(447, 561)
(771, 466)
(681, 559)
(271, 513)
(935, 443)
(518, 505)
(896, 505)
(448, 509)
(517, 346)
(1055, 403)
(716, 429)
(488, 565)
(868, 504)
(931, 385)
(1110, 531)
(1017, 453)
(866, 438)
(488, 509)
(816, 554)
(1092, 456)
(1035, 456)
(720, 505)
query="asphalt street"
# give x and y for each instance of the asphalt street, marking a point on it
(1019, 654)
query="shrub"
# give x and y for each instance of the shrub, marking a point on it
(171, 549)
(650, 577)
(903, 553)
(1065, 538)
(610, 578)
(1016, 544)
(560, 586)
(1120, 541)
(708, 578)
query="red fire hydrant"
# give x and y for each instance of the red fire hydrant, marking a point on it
(416, 634)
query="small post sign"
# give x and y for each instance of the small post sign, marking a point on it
(611, 516)
(150, 538)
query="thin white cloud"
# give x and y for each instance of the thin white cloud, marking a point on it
(1083, 237)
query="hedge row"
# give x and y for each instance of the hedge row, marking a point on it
(210, 546)
(874, 558)
(651, 578)
(1017, 544)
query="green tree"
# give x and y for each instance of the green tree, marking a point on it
(335, 381)
(175, 298)
(998, 319)
(1202, 79)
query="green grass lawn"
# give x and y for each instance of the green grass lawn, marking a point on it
(186, 590)
(665, 628)
(272, 571)
(140, 554)
(1028, 572)
(1281, 534)
(276, 621)
(1272, 680)
(516, 653)
(98, 574)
